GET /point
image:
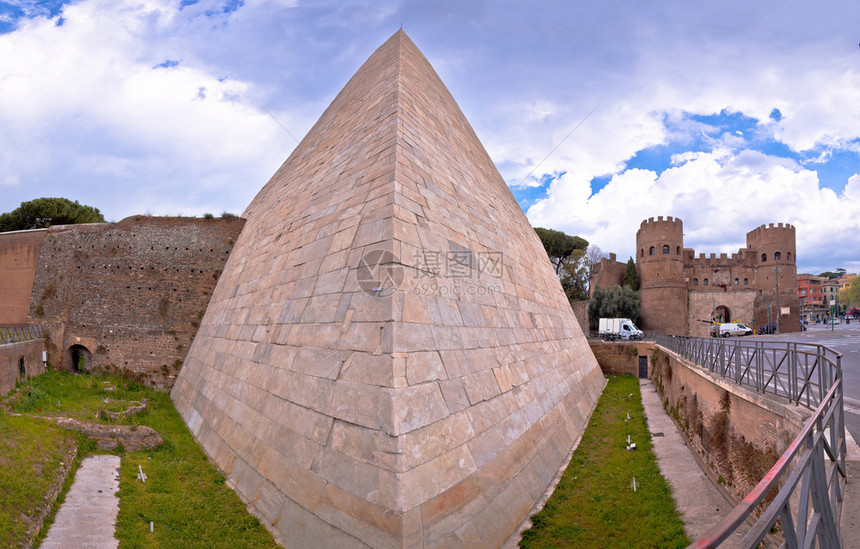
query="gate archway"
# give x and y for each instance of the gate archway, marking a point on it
(79, 359)
(724, 314)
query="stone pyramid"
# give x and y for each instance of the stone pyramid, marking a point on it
(388, 359)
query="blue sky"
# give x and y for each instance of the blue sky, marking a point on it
(598, 115)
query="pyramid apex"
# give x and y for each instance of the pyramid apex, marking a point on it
(388, 334)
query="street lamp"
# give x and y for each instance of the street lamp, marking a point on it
(777, 270)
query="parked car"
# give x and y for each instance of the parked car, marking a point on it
(734, 329)
(767, 328)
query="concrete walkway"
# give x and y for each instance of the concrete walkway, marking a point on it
(87, 517)
(698, 499)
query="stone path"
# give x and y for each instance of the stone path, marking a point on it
(699, 501)
(87, 517)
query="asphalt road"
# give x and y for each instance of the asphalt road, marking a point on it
(845, 339)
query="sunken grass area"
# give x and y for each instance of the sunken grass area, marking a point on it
(184, 497)
(594, 504)
(33, 454)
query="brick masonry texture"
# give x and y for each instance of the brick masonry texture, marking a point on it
(129, 295)
(19, 258)
(425, 400)
(620, 358)
(11, 356)
(680, 290)
(763, 422)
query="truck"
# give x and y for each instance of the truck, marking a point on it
(611, 329)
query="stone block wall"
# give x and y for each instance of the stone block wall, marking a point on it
(128, 295)
(19, 361)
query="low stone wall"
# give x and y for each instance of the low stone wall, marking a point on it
(737, 432)
(20, 361)
(621, 357)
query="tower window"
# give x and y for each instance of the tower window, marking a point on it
(776, 256)
(788, 256)
(763, 258)
(736, 282)
(678, 250)
(651, 251)
(665, 249)
(705, 283)
(695, 282)
(746, 281)
(642, 252)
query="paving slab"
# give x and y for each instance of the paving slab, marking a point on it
(849, 522)
(697, 498)
(87, 517)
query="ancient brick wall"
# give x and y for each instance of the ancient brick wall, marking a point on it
(679, 289)
(660, 265)
(19, 361)
(740, 305)
(607, 273)
(737, 432)
(580, 311)
(128, 295)
(19, 256)
(620, 357)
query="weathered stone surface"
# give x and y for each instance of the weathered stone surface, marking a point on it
(388, 359)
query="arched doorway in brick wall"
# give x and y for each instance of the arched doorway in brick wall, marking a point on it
(78, 359)
(724, 314)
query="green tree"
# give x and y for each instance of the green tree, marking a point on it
(560, 247)
(830, 274)
(567, 254)
(851, 294)
(44, 212)
(631, 277)
(617, 302)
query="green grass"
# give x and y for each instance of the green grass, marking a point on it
(31, 457)
(184, 496)
(594, 504)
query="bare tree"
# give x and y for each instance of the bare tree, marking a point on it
(593, 255)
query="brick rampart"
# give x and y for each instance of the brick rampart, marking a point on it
(128, 295)
(15, 355)
(738, 433)
(19, 256)
(620, 357)
(580, 311)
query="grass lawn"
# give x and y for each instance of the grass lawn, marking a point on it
(185, 496)
(33, 452)
(594, 504)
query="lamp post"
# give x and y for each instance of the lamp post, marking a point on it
(777, 270)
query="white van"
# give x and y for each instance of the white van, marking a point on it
(734, 329)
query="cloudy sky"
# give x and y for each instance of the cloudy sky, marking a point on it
(598, 114)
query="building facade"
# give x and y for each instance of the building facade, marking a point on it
(682, 292)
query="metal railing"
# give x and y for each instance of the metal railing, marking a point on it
(800, 372)
(811, 472)
(14, 334)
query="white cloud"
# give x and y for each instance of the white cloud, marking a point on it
(718, 196)
(87, 98)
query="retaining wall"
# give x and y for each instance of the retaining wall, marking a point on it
(19, 361)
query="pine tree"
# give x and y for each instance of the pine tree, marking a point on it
(631, 277)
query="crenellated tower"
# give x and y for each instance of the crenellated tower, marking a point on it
(774, 248)
(660, 264)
